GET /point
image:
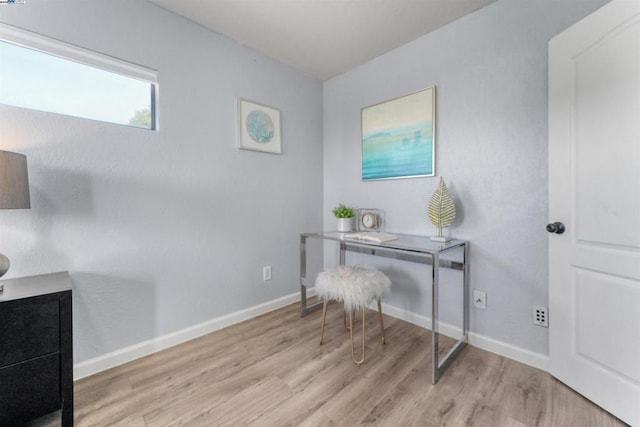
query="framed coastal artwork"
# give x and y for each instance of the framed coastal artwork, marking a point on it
(398, 137)
(258, 127)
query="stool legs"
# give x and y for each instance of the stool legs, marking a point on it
(351, 316)
(384, 341)
(324, 316)
(350, 327)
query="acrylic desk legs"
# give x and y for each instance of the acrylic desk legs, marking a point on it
(424, 257)
(304, 308)
(438, 367)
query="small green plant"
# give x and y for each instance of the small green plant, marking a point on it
(342, 211)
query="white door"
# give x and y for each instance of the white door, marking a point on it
(594, 189)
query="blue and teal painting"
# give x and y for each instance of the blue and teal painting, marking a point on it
(260, 126)
(397, 137)
(398, 152)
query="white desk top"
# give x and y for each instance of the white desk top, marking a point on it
(26, 287)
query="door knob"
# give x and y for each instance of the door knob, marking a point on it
(556, 227)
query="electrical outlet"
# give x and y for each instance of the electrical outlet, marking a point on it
(266, 272)
(540, 316)
(479, 299)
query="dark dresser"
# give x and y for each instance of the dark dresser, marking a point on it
(36, 349)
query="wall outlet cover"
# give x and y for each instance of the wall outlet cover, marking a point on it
(266, 272)
(479, 299)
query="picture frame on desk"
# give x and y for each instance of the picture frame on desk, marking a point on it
(369, 219)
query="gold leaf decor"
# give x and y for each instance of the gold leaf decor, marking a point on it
(442, 211)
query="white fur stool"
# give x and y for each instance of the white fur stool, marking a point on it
(356, 287)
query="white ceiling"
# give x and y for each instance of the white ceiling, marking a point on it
(323, 38)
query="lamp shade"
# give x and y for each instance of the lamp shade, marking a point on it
(14, 181)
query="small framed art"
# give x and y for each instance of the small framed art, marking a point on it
(398, 137)
(259, 127)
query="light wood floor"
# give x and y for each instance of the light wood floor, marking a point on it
(271, 371)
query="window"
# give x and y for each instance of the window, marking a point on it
(44, 74)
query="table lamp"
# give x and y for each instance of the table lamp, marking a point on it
(14, 190)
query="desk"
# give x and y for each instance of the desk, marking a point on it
(411, 248)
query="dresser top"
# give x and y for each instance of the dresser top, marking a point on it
(27, 287)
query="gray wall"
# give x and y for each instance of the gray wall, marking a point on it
(163, 230)
(490, 69)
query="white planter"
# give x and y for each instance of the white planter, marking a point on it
(345, 224)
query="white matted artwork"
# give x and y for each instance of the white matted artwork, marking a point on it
(259, 127)
(398, 137)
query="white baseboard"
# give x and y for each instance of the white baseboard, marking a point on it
(528, 357)
(127, 354)
(510, 351)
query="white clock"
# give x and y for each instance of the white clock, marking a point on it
(369, 220)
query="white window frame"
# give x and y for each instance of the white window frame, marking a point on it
(47, 45)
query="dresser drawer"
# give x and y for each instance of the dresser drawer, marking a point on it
(29, 330)
(29, 390)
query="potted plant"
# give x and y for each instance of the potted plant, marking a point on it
(345, 216)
